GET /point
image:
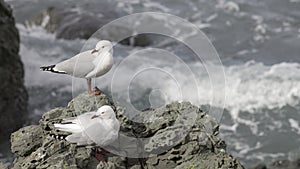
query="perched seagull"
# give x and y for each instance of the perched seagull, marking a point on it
(92, 128)
(89, 64)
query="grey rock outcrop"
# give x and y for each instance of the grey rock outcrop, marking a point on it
(13, 98)
(199, 148)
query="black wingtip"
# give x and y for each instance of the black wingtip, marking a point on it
(47, 68)
(59, 137)
(51, 69)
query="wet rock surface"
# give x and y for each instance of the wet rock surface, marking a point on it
(13, 98)
(71, 24)
(280, 164)
(182, 135)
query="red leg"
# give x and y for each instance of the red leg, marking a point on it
(89, 83)
(99, 158)
(99, 153)
(103, 151)
(90, 91)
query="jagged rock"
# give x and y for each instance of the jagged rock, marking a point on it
(13, 98)
(198, 147)
(26, 140)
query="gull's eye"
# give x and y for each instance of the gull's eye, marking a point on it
(102, 46)
(102, 112)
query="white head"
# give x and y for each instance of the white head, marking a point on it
(105, 112)
(102, 46)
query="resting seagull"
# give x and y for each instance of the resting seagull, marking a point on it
(92, 128)
(89, 64)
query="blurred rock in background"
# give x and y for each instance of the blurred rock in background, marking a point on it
(13, 98)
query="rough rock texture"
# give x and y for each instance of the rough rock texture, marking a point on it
(26, 140)
(13, 98)
(69, 24)
(198, 148)
(2, 166)
(280, 164)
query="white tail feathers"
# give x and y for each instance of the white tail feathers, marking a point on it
(72, 128)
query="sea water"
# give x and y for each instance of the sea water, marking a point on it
(257, 41)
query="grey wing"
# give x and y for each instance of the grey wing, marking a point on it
(79, 138)
(91, 131)
(86, 118)
(79, 119)
(78, 66)
(100, 133)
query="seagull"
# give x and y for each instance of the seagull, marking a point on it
(92, 128)
(89, 64)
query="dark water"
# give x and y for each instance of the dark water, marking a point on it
(257, 41)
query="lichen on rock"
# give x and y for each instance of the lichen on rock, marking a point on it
(26, 140)
(180, 136)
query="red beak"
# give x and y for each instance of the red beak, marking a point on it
(94, 116)
(94, 51)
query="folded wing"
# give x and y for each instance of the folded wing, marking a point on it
(78, 66)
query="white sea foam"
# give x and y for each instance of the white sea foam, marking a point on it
(253, 85)
(263, 156)
(295, 125)
(249, 86)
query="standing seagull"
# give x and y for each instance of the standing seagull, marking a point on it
(100, 128)
(89, 64)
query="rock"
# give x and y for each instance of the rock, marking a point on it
(26, 140)
(286, 164)
(69, 24)
(200, 147)
(13, 98)
(2, 166)
(280, 164)
(260, 166)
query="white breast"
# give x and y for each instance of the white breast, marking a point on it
(103, 63)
